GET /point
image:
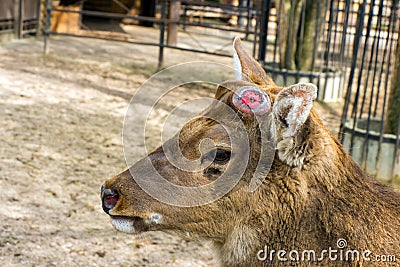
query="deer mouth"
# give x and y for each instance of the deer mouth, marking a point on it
(129, 225)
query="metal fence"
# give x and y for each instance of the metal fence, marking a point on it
(311, 41)
(346, 47)
(19, 17)
(370, 81)
(170, 18)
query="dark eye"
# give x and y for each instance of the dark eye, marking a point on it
(222, 156)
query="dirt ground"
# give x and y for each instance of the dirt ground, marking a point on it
(61, 121)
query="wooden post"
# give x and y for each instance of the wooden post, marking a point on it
(173, 14)
(66, 22)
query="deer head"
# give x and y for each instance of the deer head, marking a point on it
(275, 126)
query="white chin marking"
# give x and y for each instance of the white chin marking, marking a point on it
(154, 218)
(123, 225)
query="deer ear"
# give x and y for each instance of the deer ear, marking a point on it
(292, 106)
(246, 67)
(291, 109)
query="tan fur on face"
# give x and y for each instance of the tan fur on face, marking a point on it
(313, 195)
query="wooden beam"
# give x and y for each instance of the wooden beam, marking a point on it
(173, 14)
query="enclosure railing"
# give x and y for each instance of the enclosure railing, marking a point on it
(372, 78)
(346, 47)
(170, 20)
(307, 41)
(19, 18)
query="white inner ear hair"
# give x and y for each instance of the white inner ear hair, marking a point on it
(291, 110)
(237, 65)
(299, 109)
(288, 154)
(297, 114)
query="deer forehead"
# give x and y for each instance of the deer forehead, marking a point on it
(201, 128)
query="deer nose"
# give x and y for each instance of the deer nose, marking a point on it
(109, 198)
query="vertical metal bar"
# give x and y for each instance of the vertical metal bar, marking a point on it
(347, 49)
(342, 62)
(379, 27)
(328, 47)
(15, 17)
(368, 31)
(47, 27)
(249, 11)
(369, 68)
(355, 106)
(322, 54)
(20, 18)
(285, 76)
(262, 46)
(344, 35)
(256, 34)
(184, 16)
(396, 149)
(374, 44)
(387, 42)
(393, 25)
(162, 33)
(278, 18)
(365, 93)
(38, 5)
(335, 32)
(360, 23)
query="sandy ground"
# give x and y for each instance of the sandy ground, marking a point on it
(61, 122)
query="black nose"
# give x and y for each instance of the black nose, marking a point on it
(109, 198)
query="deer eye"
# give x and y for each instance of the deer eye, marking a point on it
(222, 156)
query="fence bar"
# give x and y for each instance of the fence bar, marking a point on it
(20, 18)
(162, 34)
(359, 87)
(249, 3)
(375, 43)
(38, 13)
(47, 27)
(345, 27)
(396, 149)
(369, 68)
(360, 23)
(266, 7)
(386, 88)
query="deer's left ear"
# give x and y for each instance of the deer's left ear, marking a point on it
(291, 109)
(247, 68)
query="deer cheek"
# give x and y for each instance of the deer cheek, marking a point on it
(251, 100)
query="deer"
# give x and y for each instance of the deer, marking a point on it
(313, 207)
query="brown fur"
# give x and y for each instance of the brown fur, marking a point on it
(298, 207)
